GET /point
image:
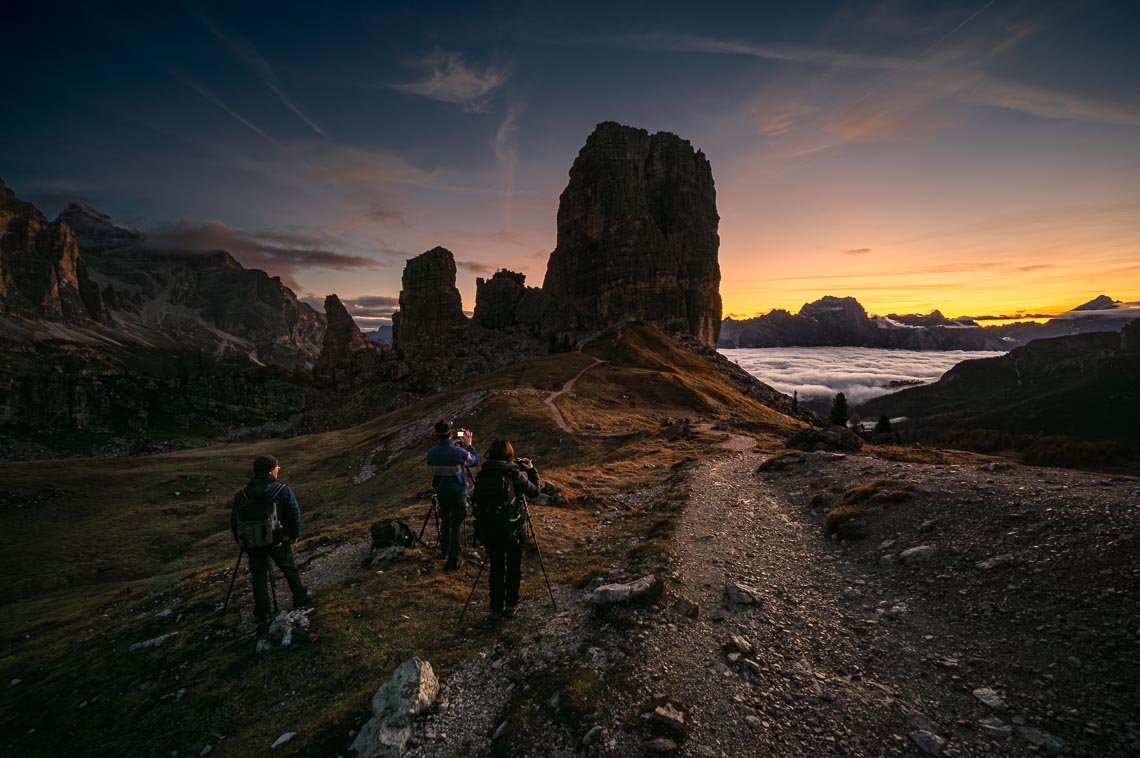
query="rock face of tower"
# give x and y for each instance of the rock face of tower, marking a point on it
(430, 304)
(347, 355)
(637, 235)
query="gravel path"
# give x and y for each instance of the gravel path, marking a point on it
(837, 654)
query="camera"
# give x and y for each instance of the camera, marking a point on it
(463, 435)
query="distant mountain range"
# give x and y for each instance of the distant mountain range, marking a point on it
(843, 322)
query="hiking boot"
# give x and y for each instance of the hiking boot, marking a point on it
(451, 565)
(303, 601)
(509, 611)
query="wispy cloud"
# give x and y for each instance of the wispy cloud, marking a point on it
(774, 119)
(279, 253)
(244, 51)
(449, 79)
(506, 150)
(856, 251)
(475, 267)
(685, 43)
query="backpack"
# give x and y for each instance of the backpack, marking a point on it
(494, 507)
(391, 532)
(257, 522)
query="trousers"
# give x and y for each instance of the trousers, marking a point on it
(453, 512)
(259, 559)
(505, 557)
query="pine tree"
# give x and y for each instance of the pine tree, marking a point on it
(839, 412)
(795, 400)
(884, 425)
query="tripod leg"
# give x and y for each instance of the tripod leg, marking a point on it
(233, 578)
(427, 518)
(471, 594)
(273, 586)
(541, 562)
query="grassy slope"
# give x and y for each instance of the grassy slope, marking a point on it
(99, 546)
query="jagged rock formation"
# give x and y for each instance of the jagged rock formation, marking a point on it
(1083, 385)
(637, 234)
(41, 273)
(430, 304)
(347, 355)
(97, 231)
(497, 299)
(842, 322)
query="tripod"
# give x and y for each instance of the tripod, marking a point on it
(534, 537)
(432, 513)
(272, 582)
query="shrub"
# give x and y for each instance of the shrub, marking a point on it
(846, 522)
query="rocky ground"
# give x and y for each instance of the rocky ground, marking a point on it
(992, 610)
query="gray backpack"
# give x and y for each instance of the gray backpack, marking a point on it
(257, 522)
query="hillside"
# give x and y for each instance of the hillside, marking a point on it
(132, 538)
(1082, 386)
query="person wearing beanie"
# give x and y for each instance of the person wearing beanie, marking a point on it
(448, 460)
(263, 500)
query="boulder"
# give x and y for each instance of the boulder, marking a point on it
(637, 235)
(741, 594)
(918, 553)
(611, 594)
(497, 299)
(410, 691)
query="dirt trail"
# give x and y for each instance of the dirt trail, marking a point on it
(827, 662)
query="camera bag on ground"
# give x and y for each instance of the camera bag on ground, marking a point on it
(257, 522)
(388, 533)
(494, 511)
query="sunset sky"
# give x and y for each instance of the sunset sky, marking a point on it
(982, 158)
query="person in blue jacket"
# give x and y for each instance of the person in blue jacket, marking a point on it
(448, 460)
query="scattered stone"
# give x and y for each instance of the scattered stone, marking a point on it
(263, 645)
(284, 625)
(928, 742)
(610, 594)
(997, 560)
(919, 553)
(754, 721)
(668, 716)
(919, 722)
(596, 733)
(660, 745)
(831, 438)
(154, 642)
(741, 594)
(410, 691)
(167, 613)
(686, 608)
(995, 727)
(740, 644)
(888, 561)
(14, 682)
(500, 730)
(1074, 661)
(1053, 745)
(995, 466)
(989, 698)
(206, 750)
(283, 740)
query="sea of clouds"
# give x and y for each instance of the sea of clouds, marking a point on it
(860, 373)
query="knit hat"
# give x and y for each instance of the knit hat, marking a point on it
(263, 464)
(443, 429)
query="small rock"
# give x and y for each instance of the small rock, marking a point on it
(919, 722)
(918, 553)
(14, 682)
(596, 733)
(283, 740)
(887, 561)
(928, 742)
(740, 644)
(263, 645)
(206, 750)
(1074, 661)
(154, 642)
(754, 721)
(997, 560)
(686, 608)
(669, 716)
(995, 727)
(167, 613)
(1053, 745)
(660, 745)
(610, 594)
(499, 731)
(741, 594)
(989, 698)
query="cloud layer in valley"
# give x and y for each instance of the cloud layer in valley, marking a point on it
(817, 373)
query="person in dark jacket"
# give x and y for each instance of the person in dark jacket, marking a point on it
(504, 541)
(449, 460)
(264, 482)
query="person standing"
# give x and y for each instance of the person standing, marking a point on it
(265, 521)
(499, 521)
(449, 460)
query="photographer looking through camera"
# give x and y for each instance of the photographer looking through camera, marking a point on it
(448, 460)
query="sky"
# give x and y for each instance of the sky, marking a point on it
(982, 158)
